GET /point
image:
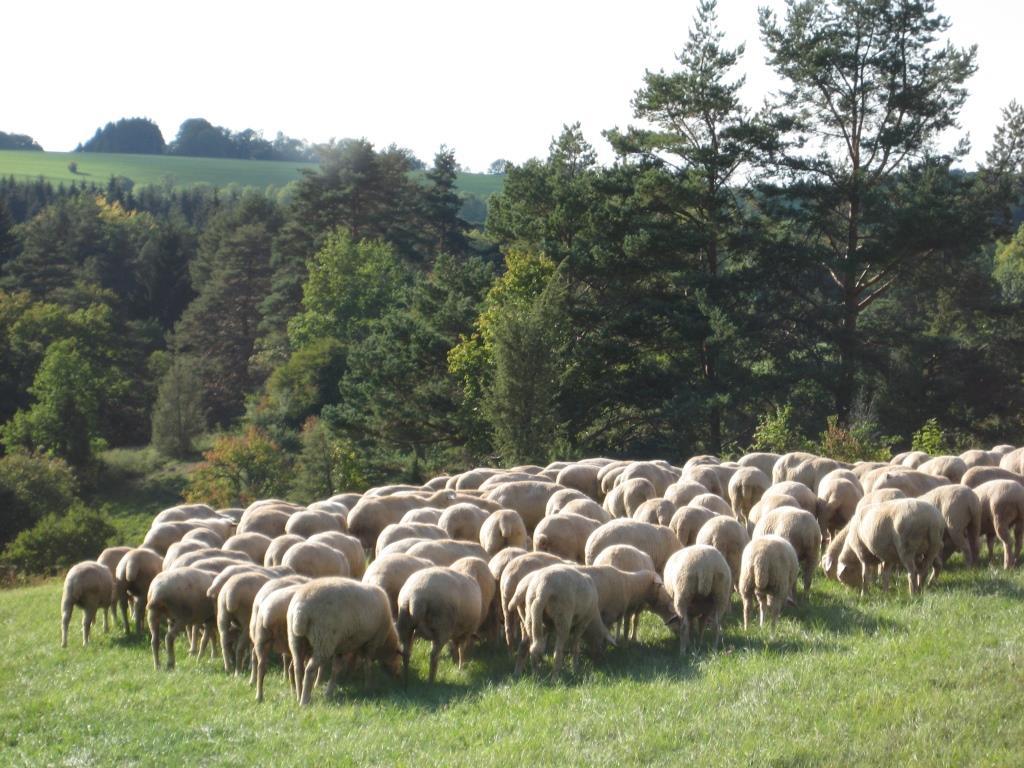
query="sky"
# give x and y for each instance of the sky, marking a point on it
(492, 80)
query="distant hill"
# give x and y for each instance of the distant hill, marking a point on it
(144, 170)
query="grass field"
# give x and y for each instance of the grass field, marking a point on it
(184, 171)
(883, 681)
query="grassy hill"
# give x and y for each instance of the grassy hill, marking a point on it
(887, 680)
(184, 171)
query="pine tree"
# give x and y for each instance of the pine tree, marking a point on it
(178, 416)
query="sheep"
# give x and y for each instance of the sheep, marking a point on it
(623, 595)
(705, 475)
(771, 500)
(960, 508)
(463, 521)
(183, 547)
(160, 536)
(687, 522)
(390, 572)
(950, 467)
(1012, 459)
(876, 497)
(90, 586)
(582, 477)
(565, 598)
(179, 596)
(222, 578)
(234, 608)
(805, 497)
(191, 558)
(840, 562)
(278, 547)
(312, 521)
(657, 511)
(135, 572)
(527, 497)
(347, 500)
(373, 513)
(660, 477)
(905, 532)
(422, 515)
(861, 468)
(183, 512)
(712, 501)
(911, 481)
(398, 531)
(729, 537)
(587, 508)
(216, 564)
(681, 492)
(502, 529)
(978, 458)
(628, 495)
(625, 557)
(977, 475)
(811, 471)
(206, 536)
(470, 479)
(658, 541)
(442, 606)
(801, 530)
(447, 551)
(402, 546)
(271, 521)
(746, 487)
(699, 583)
(268, 628)
(565, 535)
(511, 576)
(837, 501)
(498, 562)
(331, 617)
(763, 461)
(608, 474)
(768, 572)
(479, 570)
(349, 546)
(315, 559)
(1002, 513)
(110, 557)
(786, 463)
(253, 544)
(559, 499)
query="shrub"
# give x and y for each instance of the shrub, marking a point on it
(59, 541)
(240, 469)
(931, 439)
(778, 432)
(30, 488)
(857, 442)
(326, 465)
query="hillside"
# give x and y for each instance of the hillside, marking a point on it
(180, 171)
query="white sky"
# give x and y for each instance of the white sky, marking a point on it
(490, 79)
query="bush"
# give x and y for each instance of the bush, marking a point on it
(778, 433)
(240, 469)
(59, 541)
(326, 464)
(32, 487)
(931, 439)
(858, 442)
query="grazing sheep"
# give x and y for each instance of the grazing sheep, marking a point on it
(217, 564)
(314, 559)
(135, 572)
(498, 562)
(347, 500)
(626, 496)
(840, 562)
(763, 461)
(837, 501)
(559, 499)
(658, 475)
(729, 537)
(746, 487)
(712, 501)
(278, 547)
(960, 508)
(527, 497)
(805, 497)
(978, 458)
(905, 532)
(179, 596)
(682, 492)
(332, 617)
(222, 578)
(771, 500)
(768, 573)
(110, 557)
(183, 547)
(950, 467)
(1002, 517)
(463, 521)
(479, 570)
(161, 536)
(587, 508)
(268, 628)
(312, 521)
(625, 557)
(447, 551)
(658, 541)
(234, 611)
(699, 583)
(564, 535)
(687, 522)
(788, 462)
(502, 529)
(390, 572)
(269, 520)
(912, 482)
(811, 471)
(977, 475)
(566, 599)
(608, 474)
(349, 546)
(90, 586)
(398, 531)
(1012, 459)
(582, 477)
(442, 606)
(206, 536)
(910, 459)
(623, 595)
(655, 511)
(422, 515)
(876, 497)
(511, 576)
(372, 514)
(800, 529)
(705, 475)
(184, 512)
(253, 544)
(861, 468)
(191, 558)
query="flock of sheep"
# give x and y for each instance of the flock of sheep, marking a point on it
(575, 550)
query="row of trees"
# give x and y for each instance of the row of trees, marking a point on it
(197, 137)
(821, 261)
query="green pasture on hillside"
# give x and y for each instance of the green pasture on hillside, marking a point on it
(888, 680)
(180, 171)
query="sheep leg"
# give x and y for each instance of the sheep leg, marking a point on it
(333, 679)
(67, 607)
(1003, 534)
(746, 612)
(990, 538)
(224, 625)
(684, 632)
(561, 639)
(1018, 540)
(154, 632)
(636, 626)
(435, 655)
(88, 617)
(175, 628)
(308, 680)
(243, 649)
(808, 569)
(122, 605)
(140, 609)
(262, 652)
(716, 626)
(866, 574)
(960, 541)
(106, 619)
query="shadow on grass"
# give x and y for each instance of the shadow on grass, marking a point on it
(838, 616)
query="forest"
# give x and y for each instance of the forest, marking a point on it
(818, 271)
